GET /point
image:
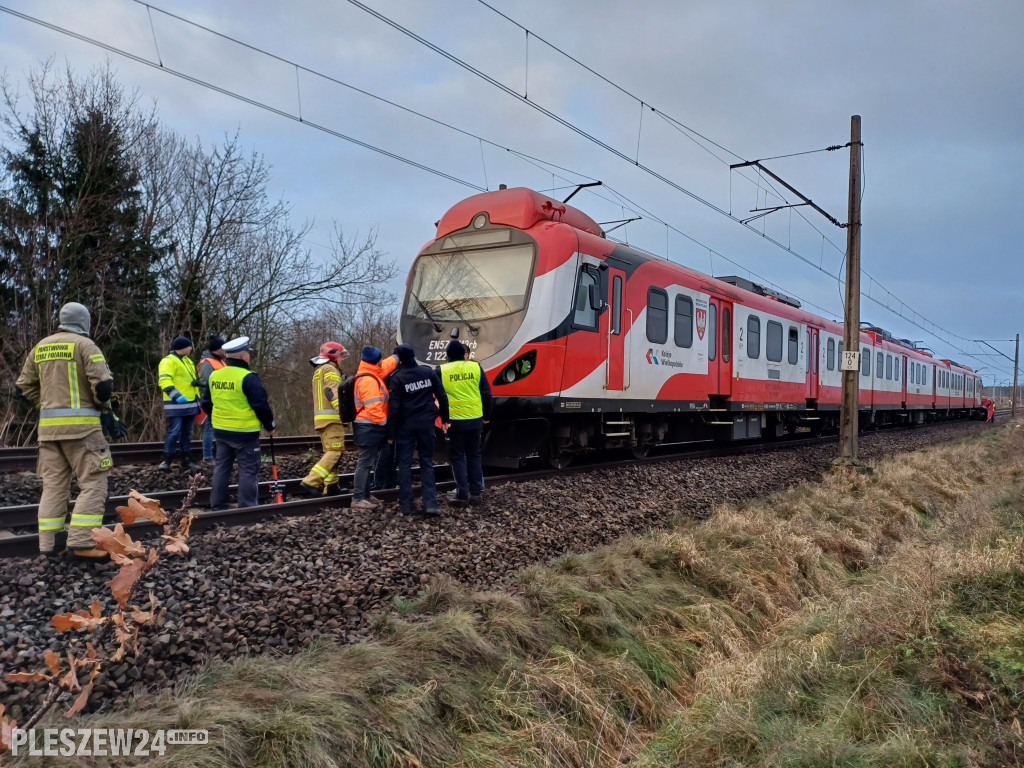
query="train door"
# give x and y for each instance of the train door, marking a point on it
(616, 376)
(812, 363)
(719, 334)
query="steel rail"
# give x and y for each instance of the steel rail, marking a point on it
(23, 459)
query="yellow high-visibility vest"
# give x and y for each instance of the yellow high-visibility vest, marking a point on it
(461, 381)
(231, 409)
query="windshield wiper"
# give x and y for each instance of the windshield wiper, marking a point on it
(472, 329)
(430, 317)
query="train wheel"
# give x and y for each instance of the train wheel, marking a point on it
(556, 459)
(640, 451)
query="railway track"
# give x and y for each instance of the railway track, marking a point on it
(23, 459)
(24, 516)
(27, 544)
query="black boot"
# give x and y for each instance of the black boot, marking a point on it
(188, 465)
(165, 465)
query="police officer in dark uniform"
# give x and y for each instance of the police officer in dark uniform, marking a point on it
(412, 411)
(237, 405)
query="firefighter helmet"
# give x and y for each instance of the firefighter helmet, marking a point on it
(333, 351)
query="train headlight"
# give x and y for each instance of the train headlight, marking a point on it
(518, 369)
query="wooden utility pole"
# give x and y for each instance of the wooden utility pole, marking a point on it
(851, 320)
(1016, 367)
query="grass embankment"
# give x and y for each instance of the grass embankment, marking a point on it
(868, 620)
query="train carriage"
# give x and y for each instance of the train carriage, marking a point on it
(591, 344)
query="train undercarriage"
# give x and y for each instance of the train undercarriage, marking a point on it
(559, 437)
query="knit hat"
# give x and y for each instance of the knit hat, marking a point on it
(371, 355)
(180, 343)
(74, 317)
(406, 354)
(455, 350)
(216, 342)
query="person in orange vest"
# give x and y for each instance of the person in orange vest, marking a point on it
(990, 409)
(322, 479)
(369, 431)
(211, 359)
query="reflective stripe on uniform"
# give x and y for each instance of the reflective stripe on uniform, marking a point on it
(86, 521)
(97, 358)
(190, 406)
(51, 523)
(59, 417)
(76, 398)
(322, 471)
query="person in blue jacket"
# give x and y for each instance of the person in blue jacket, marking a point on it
(415, 399)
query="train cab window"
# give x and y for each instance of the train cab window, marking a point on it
(773, 342)
(879, 362)
(830, 355)
(684, 321)
(865, 361)
(753, 337)
(616, 305)
(657, 316)
(585, 314)
(888, 367)
(726, 334)
(712, 332)
(793, 353)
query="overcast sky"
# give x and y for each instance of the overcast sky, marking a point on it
(939, 85)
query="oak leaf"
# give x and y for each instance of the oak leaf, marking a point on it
(175, 544)
(80, 702)
(81, 620)
(70, 681)
(7, 727)
(122, 584)
(141, 506)
(26, 677)
(52, 659)
(116, 541)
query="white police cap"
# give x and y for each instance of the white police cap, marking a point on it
(241, 344)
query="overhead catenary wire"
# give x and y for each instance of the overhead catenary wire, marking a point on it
(239, 97)
(501, 86)
(482, 140)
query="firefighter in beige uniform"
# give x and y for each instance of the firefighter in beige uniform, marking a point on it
(66, 377)
(322, 478)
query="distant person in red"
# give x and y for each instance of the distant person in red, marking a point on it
(990, 407)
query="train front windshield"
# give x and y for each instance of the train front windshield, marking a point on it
(470, 285)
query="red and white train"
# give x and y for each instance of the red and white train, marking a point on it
(590, 344)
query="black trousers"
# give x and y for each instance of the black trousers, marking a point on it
(245, 448)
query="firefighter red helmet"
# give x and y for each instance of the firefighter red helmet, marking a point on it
(333, 351)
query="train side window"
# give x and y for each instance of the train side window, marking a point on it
(712, 332)
(657, 316)
(793, 353)
(888, 367)
(878, 365)
(865, 361)
(684, 322)
(753, 337)
(896, 367)
(616, 305)
(726, 334)
(773, 342)
(830, 354)
(585, 315)
(912, 372)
